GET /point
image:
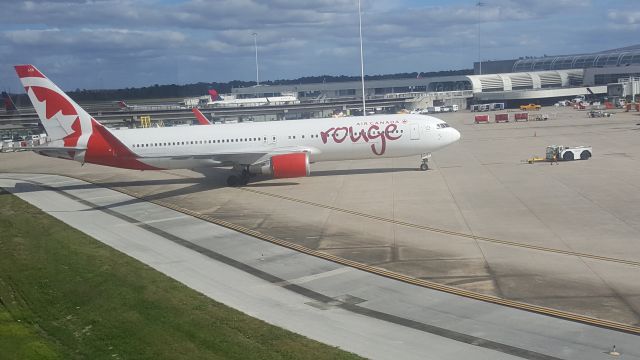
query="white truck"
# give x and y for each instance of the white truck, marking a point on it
(568, 153)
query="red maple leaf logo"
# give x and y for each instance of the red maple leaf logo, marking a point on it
(54, 102)
(71, 140)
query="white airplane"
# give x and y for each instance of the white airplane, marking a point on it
(281, 149)
(232, 100)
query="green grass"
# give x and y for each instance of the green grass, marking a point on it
(65, 295)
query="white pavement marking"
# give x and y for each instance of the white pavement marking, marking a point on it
(326, 274)
(161, 220)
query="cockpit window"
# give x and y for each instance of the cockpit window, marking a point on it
(442, 125)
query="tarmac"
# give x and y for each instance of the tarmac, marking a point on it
(371, 315)
(564, 236)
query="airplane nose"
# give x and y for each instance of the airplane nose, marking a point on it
(455, 135)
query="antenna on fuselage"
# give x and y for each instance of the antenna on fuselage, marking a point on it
(364, 103)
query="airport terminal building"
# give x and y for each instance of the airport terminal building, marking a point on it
(544, 79)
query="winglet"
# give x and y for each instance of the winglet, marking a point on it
(25, 71)
(202, 120)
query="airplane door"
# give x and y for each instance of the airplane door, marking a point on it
(415, 132)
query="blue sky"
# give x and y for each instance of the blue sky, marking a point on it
(129, 43)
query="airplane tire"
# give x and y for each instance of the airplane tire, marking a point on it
(233, 180)
(424, 167)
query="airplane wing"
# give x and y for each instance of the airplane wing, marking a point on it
(245, 158)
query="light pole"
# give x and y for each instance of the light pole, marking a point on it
(255, 44)
(364, 108)
(478, 5)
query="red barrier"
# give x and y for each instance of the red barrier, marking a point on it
(482, 118)
(522, 117)
(502, 118)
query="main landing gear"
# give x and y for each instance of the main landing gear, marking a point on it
(238, 180)
(424, 166)
(240, 177)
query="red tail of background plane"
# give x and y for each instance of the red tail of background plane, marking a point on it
(202, 120)
(8, 102)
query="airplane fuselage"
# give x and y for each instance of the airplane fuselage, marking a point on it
(348, 138)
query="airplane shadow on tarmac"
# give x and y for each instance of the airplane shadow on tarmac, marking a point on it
(212, 179)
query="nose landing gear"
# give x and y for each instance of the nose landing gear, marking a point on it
(424, 166)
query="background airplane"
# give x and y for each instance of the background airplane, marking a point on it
(281, 149)
(202, 120)
(9, 106)
(232, 100)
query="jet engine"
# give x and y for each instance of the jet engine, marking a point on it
(285, 166)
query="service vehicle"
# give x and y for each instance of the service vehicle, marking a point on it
(598, 113)
(530, 107)
(568, 153)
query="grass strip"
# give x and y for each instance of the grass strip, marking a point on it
(64, 295)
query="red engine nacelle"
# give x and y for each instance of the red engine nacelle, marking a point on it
(290, 165)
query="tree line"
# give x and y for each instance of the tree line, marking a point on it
(201, 88)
